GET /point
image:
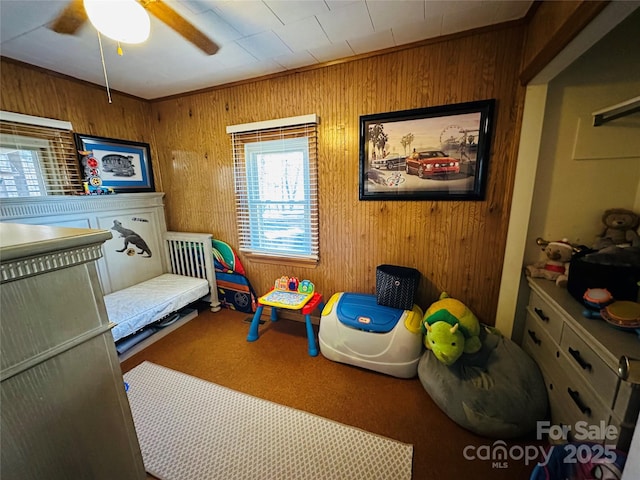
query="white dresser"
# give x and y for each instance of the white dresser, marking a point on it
(579, 359)
(64, 410)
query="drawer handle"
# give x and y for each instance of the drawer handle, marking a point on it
(581, 361)
(535, 339)
(541, 314)
(575, 396)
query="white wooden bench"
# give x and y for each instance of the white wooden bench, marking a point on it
(146, 273)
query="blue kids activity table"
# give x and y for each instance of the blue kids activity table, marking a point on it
(306, 301)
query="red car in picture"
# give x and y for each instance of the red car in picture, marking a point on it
(431, 163)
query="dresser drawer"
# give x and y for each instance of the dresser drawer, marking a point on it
(571, 400)
(570, 397)
(582, 357)
(549, 317)
(559, 413)
(27, 329)
(581, 400)
(539, 344)
(571, 403)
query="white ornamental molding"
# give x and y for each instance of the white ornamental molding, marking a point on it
(16, 208)
(27, 267)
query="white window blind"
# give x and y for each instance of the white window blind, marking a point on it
(37, 157)
(276, 184)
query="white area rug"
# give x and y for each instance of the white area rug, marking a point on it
(191, 429)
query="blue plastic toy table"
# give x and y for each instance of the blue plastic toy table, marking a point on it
(305, 302)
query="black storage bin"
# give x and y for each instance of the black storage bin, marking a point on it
(396, 286)
(619, 273)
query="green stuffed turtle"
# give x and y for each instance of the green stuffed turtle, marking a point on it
(451, 329)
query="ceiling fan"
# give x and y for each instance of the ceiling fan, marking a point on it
(74, 16)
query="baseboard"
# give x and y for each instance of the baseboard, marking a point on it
(186, 315)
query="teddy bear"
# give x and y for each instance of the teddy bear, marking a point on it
(620, 229)
(555, 266)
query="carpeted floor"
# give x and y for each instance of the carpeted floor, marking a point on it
(278, 368)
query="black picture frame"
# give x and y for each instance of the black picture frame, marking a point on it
(122, 165)
(434, 153)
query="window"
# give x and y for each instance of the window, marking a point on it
(276, 188)
(37, 157)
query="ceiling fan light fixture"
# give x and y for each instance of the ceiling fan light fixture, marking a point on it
(125, 21)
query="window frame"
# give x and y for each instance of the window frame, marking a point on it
(297, 134)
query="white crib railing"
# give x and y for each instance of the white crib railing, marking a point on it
(190, 254)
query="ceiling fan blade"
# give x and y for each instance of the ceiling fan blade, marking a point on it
(173, 19)
(70, 19)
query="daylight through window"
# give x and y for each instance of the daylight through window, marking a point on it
(276, 188)
(37, 157)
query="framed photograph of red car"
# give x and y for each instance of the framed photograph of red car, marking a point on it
(434, 153)
(123, 166)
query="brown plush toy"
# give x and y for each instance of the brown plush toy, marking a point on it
(620, 229)
(556, 264)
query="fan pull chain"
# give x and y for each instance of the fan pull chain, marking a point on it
(120, 52)
(104, 68)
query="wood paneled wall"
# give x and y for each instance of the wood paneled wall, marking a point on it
(458, 246)
(32, 91)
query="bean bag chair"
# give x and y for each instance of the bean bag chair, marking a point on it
(496, 392)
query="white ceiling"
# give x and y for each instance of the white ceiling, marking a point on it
(257, 37)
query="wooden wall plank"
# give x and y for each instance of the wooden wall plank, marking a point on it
(32, 91)
(457, 246)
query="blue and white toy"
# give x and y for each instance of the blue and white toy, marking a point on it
(595, 299)
(355, 330)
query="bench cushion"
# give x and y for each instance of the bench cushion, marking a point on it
(139, 305)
